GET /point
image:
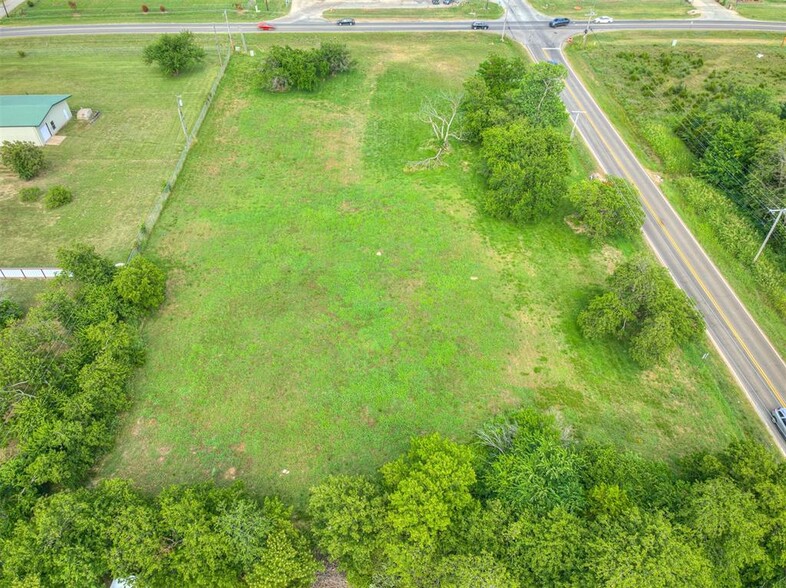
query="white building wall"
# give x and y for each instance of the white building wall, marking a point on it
(58, 116)
(20, 134)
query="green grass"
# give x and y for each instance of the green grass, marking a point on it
(763, 10)
(98, 11)
(618, 9)
(325, 305)
(117, 166)
(479, 9)
(22, 291)
(603, 67)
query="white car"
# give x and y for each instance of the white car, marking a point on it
(603, 20)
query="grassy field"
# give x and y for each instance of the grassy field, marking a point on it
(325, 305)
(479, 9)
(96, 11)
(641, 117)
(762, 10)
(619, 9)
(116, 166)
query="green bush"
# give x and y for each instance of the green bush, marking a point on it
(23, 157)
(57, 196)
(31, 194)
(9, 311)
(141, 283)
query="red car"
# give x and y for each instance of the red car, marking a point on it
(264, 26)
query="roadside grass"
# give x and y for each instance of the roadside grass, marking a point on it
(645, 122)
(324, 305)
(617, 9)
(763, 10)
(104, 11)
(478, 9)
(117, 166)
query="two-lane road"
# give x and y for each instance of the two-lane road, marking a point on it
(756, 364)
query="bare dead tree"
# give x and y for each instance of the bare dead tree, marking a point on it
(442, 114)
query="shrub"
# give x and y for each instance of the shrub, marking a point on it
(31, 194)
(141, 283)
(174, 53)
(145, 8)
(25, 158)
(57, 196)
(162, 8)
(286, 68)
(9, 311)
(72, 5)
(21, 53)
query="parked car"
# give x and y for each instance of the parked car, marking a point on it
(559, 22)
(266, 26)
(778, 417)
(447, 1)
(435, 1)
(346, 22)
(479, 24)
(603, 20)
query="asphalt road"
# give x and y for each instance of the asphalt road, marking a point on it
(757, 366)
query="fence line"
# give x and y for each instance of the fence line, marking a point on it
(158, 206)
(34, 273)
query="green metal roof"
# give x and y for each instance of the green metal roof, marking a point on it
(28, 110)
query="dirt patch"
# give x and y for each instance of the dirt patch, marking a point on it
(610, 257)
(230, 474)
(367, 418)
(163, 451)
(240, 447)
(575, 226)
(330, 578)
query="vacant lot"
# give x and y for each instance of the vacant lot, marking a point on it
(92, 11)
(324, 305)
(619, 9)
(116, 166)
(480, 9)
(644, 109)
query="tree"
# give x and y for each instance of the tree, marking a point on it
(525, 168)
(537, 95)
(286, 68)
(174, 53)
(480, 110)
(501, 75)
(346, 520)
(608, 208)
(85, 265)
(336, 56)
(644, 308)
(443, 116)
(23, 157)
(141, 283)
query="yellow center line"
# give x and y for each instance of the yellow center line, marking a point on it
(678, 250)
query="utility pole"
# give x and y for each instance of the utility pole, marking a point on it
(229, 32)
(780, 212)
(243, 40)
(182, 119)
(5, 9)
(590, 14)
(505, 22)
(218, 49)
(575, 122)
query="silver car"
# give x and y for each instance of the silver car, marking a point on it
(779, 418)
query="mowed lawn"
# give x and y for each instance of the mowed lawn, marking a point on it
(325, 305)
(465, 9)
(93, 11)
(117, 166)
(618, 9)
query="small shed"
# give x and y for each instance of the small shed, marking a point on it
(33, 117)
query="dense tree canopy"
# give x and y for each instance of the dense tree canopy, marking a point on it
(644, 308)
(536, 509)
(525, 167)
(607, 208)
(287, 68)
